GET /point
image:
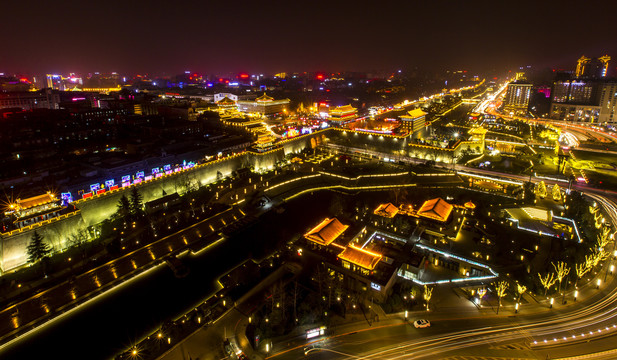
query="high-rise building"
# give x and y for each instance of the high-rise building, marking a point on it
(592, 68)
(592, 100)
(608, 102)
(517, 96)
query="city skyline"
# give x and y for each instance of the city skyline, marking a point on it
(220, 38)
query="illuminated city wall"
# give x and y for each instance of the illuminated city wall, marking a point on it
(13, 253)
(102, 207)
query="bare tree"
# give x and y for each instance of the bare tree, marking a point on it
(583, 268)
(428, 294)
(547, 281)
(520, 290)
(561, 271)
(500, 288)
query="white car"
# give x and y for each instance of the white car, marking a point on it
(421, 324)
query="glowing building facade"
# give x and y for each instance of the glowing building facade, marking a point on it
(517, 96)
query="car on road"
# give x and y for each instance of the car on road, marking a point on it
(311, 348)
(418, 324)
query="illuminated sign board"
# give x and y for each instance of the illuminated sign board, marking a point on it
(67, 198)
(149, 177)
(158, 175)
(137, 181)
(312, 333)
(126, 178)
(167, 168)
(109, 183)
(125, 184)
(155, 171)
(94, 187)
(375, 286)
(140, 174)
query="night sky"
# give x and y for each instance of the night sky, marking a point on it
(133, 36)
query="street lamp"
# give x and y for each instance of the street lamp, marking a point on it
(516, 308)
(552, 301)
(406, 315)
(575, 294)
(598, 282)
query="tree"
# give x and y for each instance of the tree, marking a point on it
(428, 294)
(37, 250)
(124, 208)
(556, 193)
(78, 237)
(583, 268)
(500, 288)
(520, 290)
(547, 281)
(604, 238)
(599, 256)
(561, 270)
(136, 204)
(541, 190)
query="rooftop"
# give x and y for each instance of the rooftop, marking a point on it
(360, 257)
(264, 98)
(343, 109)
(35, 201)
(326, 232)
(416, 113)
(436, 209)
(386, 210)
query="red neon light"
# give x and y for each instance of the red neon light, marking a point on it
(87, 195)
(113, 187)
(100, 191)
(319, 77)
(244, 76)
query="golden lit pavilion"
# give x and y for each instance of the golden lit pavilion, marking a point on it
(386, 210)
(226, 103)
(363, 258)
(436, 209)
(264, 98)
(343, 113)
(34, 204)
(326, 232)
